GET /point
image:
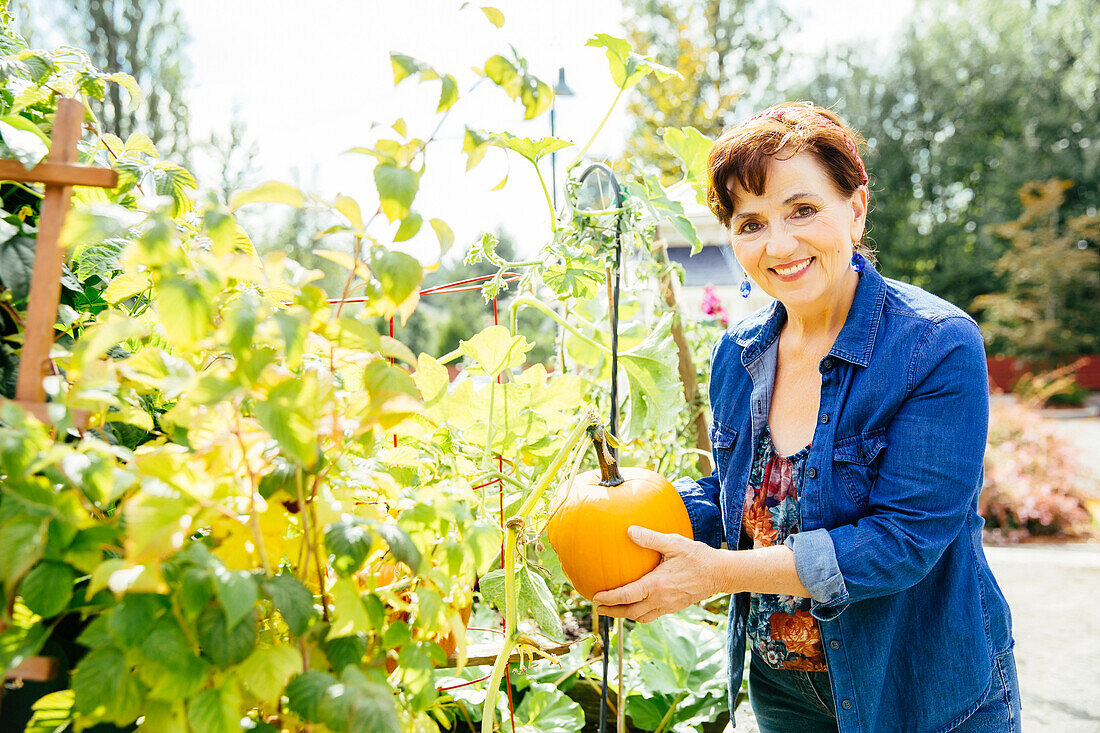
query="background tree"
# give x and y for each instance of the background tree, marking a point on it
(1050, 260)
(980, 98)
(144, 38)
(725, 51)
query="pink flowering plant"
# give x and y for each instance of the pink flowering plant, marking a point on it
(712, 306)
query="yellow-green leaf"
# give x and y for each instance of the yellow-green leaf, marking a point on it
(270, 192)
(496, 349)
(444, 234)
(126, 285)
(349, 614)
(495, 16)
(268, 669)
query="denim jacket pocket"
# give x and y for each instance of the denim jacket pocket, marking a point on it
(856, 460)
(722, 440)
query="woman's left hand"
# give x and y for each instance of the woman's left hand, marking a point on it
(684, 577)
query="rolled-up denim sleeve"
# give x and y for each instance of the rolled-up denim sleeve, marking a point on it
(701, 500)
(928, 478)
(818, 570)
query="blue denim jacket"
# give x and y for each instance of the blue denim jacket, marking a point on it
(890, 540)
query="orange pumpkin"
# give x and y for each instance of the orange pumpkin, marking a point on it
(587, 527)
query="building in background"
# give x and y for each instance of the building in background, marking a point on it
(713, 266)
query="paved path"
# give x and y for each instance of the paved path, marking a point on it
(1054, 594)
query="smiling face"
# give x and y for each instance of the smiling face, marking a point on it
(795, 240)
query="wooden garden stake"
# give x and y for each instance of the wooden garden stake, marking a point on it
(59, 173)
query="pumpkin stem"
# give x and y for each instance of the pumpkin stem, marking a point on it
(609, 467)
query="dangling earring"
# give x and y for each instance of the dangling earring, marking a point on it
(746, 286)
(858, 262)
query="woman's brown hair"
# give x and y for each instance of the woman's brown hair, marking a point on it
(741, 152)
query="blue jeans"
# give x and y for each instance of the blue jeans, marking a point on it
(802, 702)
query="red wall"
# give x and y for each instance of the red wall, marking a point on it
(1005, 370)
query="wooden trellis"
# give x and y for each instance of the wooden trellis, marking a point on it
(59, 173)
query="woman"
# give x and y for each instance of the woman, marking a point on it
(850, 421)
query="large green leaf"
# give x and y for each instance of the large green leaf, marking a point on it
(282, 415)
(530, 149)
(184, 311)
(268, 669)
(236, 591)
(305, 693)
(222, 645)
(401, 545)
(22, 542)
(132, 619)
(105, 689)
(271, 192)
(48, 588)
(533, 598)
(535, 95)
(26, 142)
(348, 541)
(397, 188)
(214, 711)
(661, 206)
(495, 349)
(627, 67)
(692, 148)
(656, 395)
(16, 267)
(293, 600)
(546, 709)
(171, 669)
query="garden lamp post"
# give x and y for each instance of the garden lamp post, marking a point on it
(561, 89)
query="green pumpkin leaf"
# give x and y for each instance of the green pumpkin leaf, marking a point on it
(494, 350)
(692, 148)
(293, 601)
(547, 709)
(656, 395)
(48, 588)
(533, 598)
(627, 67)
(530, 149)
(16, 267)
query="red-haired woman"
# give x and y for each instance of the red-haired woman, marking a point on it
(850, 421)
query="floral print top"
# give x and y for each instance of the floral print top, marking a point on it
(780, 628)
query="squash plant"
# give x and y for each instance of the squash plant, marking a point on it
(257, 453)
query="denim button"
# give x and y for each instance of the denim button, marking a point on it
(812, 473)
(826, 364)
(846, 704)
(824, 418)
(834, 644)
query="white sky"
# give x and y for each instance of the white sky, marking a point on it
(308, 80)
